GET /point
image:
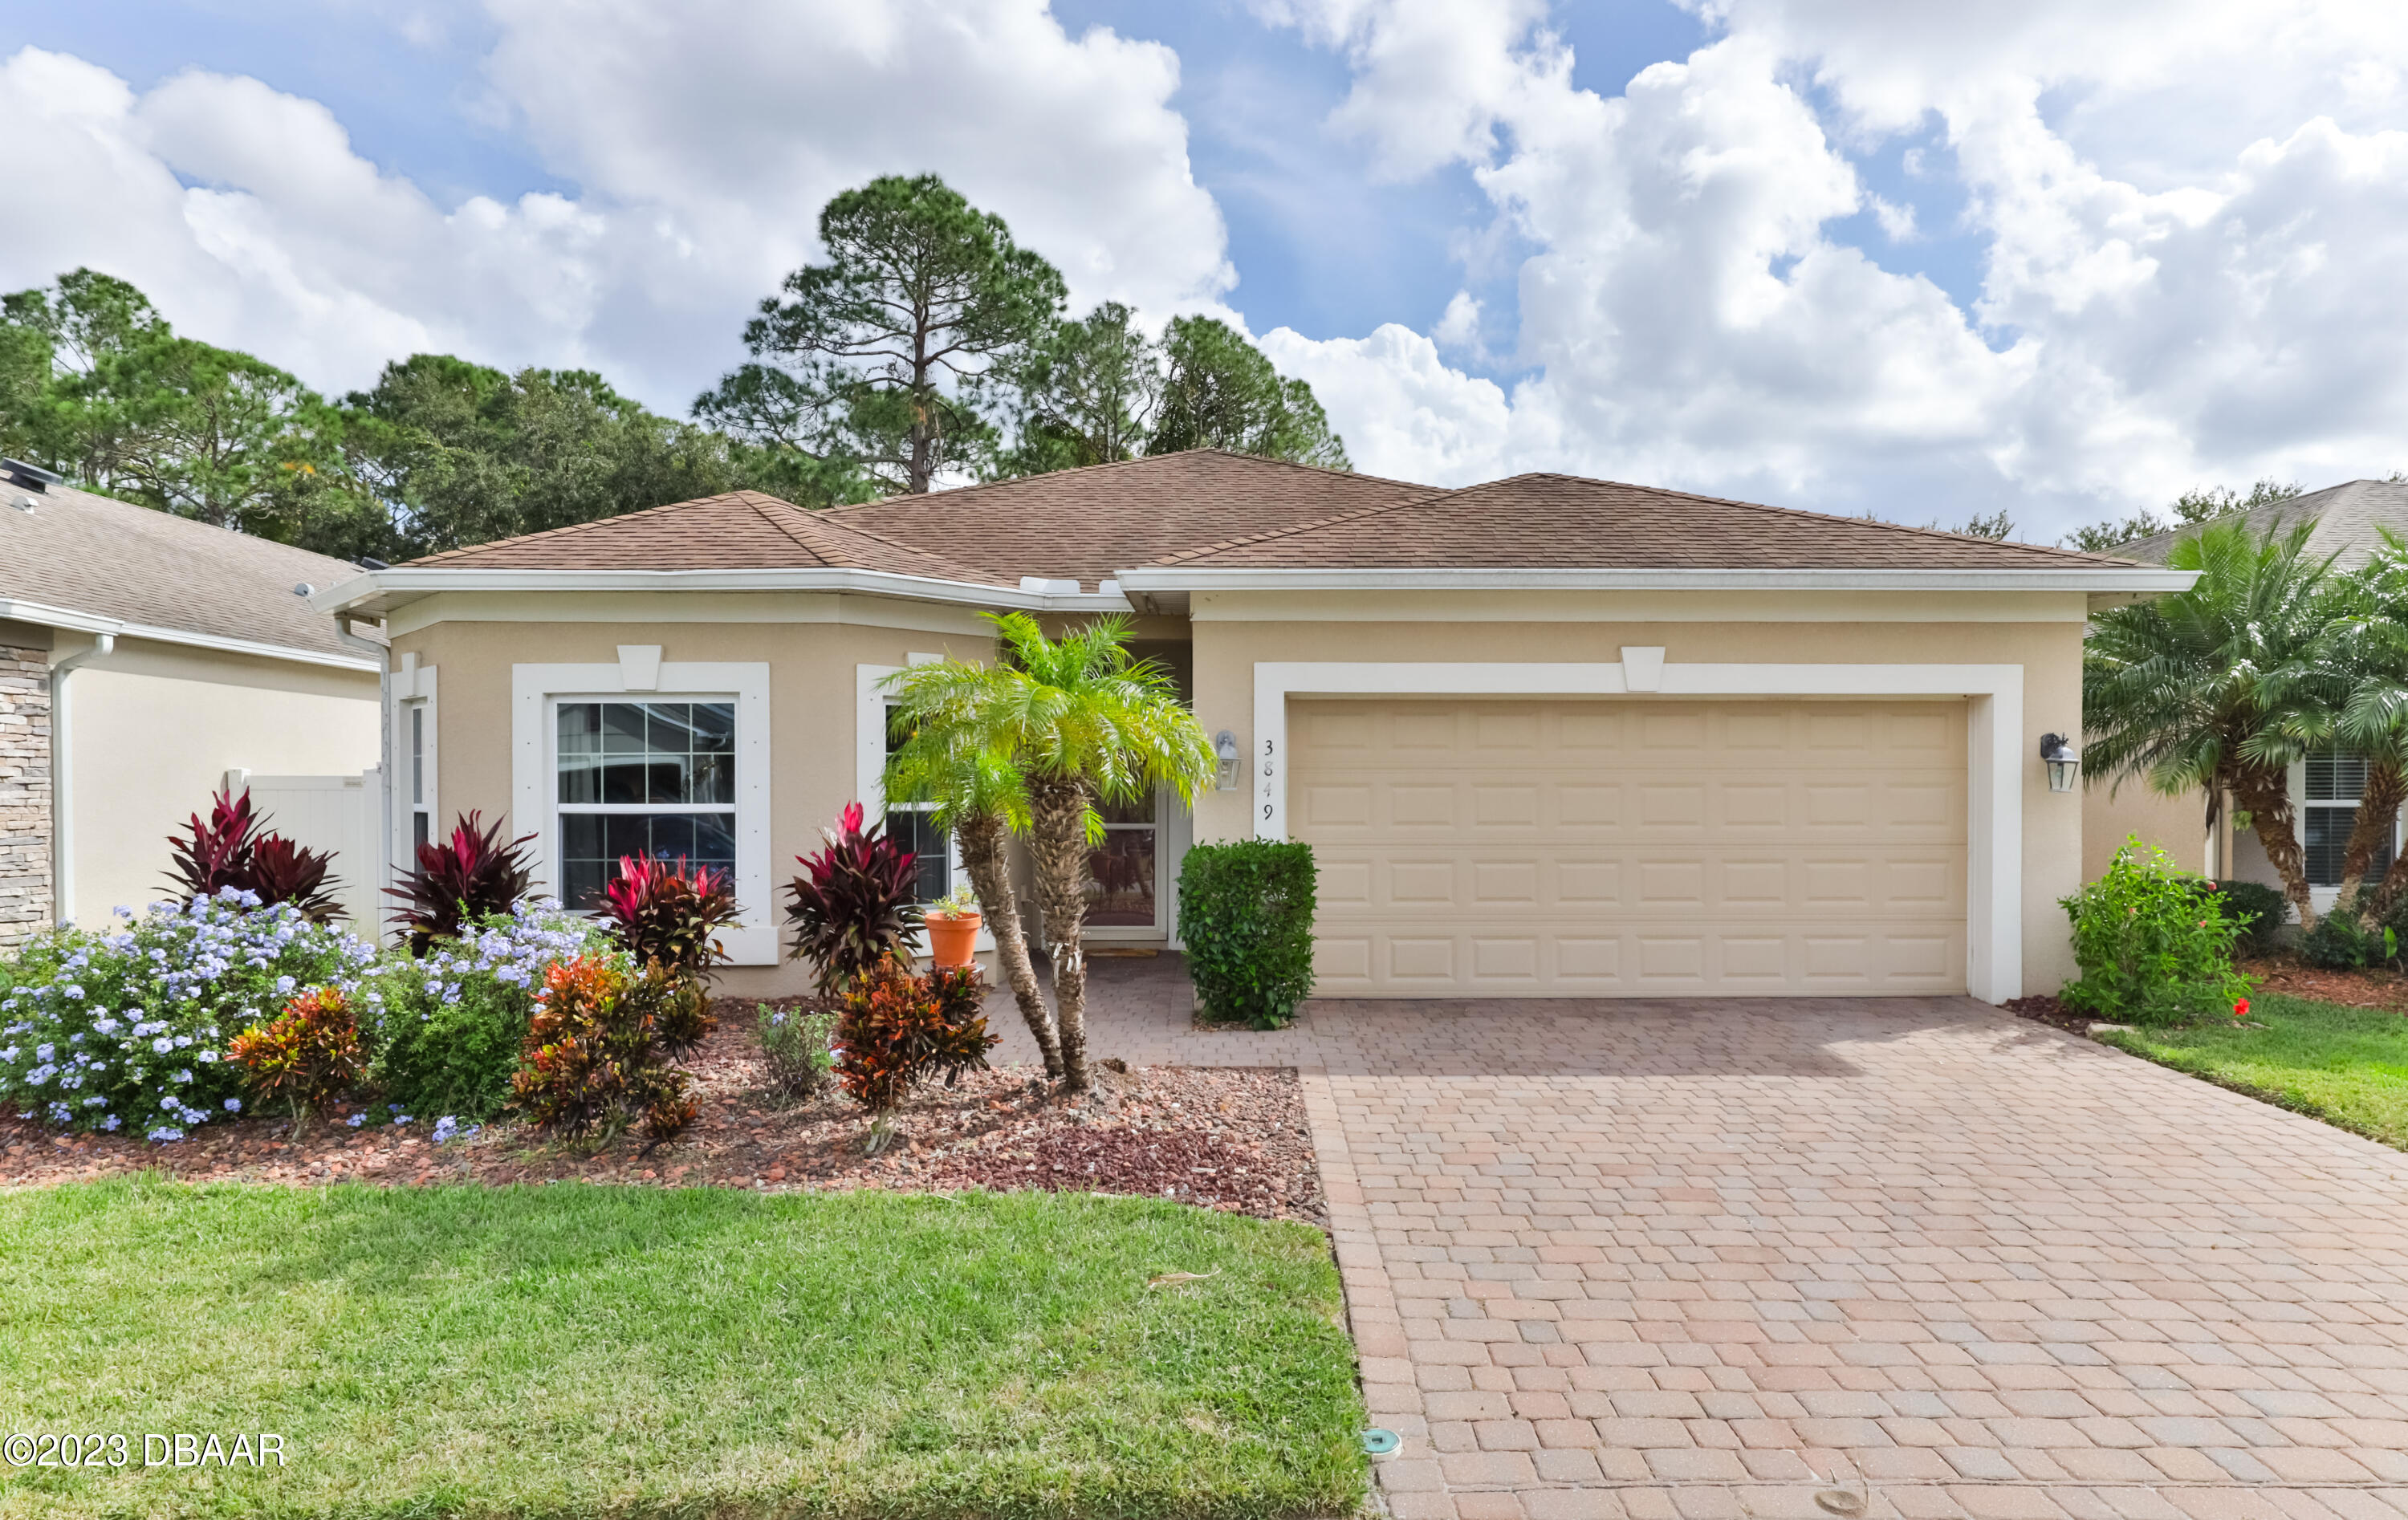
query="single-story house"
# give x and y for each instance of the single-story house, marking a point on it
(2348, 523)
(1548, 737)
(143, 657)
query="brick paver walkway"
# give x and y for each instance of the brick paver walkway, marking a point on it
(1706, 1258)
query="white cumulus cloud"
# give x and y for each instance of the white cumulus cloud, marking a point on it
(2186, 209)
(701, 140)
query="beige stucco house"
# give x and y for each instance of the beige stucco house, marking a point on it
(1549, 736)
(144, 657)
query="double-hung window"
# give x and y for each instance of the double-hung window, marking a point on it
(422, 795)
(908, 824)
(2328, 813)
(643, 776)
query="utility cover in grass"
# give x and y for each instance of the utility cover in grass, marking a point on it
(583, 1350)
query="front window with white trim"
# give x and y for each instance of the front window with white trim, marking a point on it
(2335, 781)
(643, 776)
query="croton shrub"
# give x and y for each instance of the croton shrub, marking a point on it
(894, 1030)
(601, 1050)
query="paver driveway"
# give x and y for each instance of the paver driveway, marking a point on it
(1704, 1258)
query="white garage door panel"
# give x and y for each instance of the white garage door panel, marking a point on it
(1602, 847)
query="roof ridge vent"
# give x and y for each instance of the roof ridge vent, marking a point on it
(32, 477)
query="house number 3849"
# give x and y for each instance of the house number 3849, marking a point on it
(1269, 772)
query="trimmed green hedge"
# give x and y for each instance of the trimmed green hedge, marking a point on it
(1245, 910)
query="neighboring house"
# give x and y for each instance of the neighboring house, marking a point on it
(142, 657)
(2347, 522)
(1547, 736)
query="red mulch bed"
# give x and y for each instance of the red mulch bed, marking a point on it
(2045, 1009)
(1228, 1139)
(2371, 988)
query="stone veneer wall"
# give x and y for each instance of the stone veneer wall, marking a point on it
(25, 792)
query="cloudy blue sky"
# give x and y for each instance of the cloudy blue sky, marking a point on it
(1926, 261)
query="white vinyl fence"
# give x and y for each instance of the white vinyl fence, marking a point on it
(344, 816)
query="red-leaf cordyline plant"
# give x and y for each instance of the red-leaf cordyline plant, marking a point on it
(236, 850)
(855, 903)
(661, 912)
(460, 881)
(2202, 691)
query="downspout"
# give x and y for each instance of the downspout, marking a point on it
(63, 777)
(373, 930)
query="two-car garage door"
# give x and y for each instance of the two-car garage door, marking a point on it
(1605, 848)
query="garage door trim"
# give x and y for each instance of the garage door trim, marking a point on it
(1994, 715)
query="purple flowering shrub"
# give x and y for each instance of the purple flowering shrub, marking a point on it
(126, 1029)
(446, 1030)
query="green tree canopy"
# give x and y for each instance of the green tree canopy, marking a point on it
(459, 453)
(2200, 505)
(885, 357)
(1085, 394)
(1221, 393)
(94, 384)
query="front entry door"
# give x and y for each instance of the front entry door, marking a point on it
(1124, 873)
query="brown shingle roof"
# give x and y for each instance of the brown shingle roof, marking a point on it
(743, 530)
(1540, 522)
(1091, 524)
(113, 559)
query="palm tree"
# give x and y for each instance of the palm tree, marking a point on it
(2214, 688)
(2369, 652)
(1074, 721)
(981, 800)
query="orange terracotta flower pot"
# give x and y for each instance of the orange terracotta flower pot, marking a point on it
(952, 939)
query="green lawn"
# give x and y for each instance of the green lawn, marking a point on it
(2345, 1066)
(588, 1350)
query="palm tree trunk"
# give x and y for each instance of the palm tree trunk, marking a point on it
(981, 838)
(2387, 891)
(2265, 792)
(2378, 815)
(1057, 837)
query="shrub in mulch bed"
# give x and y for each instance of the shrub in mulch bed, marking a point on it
(1228, 1139)
(2374, 987)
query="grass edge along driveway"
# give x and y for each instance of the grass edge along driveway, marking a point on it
(2347, 1066)
(576, 1351)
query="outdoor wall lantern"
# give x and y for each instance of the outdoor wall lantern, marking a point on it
(1225, 753)
(2063, 760)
